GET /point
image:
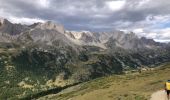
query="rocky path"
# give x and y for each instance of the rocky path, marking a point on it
(159, 95)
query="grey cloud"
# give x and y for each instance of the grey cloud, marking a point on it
(91, 15)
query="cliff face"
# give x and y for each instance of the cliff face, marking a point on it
(10, 28)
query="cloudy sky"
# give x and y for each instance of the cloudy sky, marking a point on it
(150, 18)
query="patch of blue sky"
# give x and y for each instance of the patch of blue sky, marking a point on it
(162, 25)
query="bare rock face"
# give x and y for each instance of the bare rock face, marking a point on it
(44, 37)
(84, 38)
(10, 28)
(50, 26)
(131, 41)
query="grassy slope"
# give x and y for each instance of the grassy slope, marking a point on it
(118, 87)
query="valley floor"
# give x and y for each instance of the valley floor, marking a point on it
(133, 86)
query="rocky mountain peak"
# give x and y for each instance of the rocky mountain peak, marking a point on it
(12, 29)
(132, 35)
(4, 22)
(50, 26)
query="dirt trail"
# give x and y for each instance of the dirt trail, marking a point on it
(159, 95)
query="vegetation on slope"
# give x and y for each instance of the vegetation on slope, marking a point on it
(28, 71)
(133, 86)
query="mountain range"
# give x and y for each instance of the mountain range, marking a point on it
(44, 55)
(48, 32)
